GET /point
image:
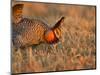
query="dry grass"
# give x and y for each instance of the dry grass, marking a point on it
(77, 49)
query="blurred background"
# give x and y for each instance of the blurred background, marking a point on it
(77, 49)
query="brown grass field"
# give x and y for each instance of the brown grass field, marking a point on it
(75, 51)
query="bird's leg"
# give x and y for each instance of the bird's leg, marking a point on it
(19, 59)
(30, 55)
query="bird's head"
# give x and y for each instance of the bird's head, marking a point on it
(17, 12)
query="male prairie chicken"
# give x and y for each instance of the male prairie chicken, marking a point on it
(28, 32)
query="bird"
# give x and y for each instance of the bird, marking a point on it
(28, 32)
(33, 31)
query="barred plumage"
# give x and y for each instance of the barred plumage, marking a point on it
(27, 32)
